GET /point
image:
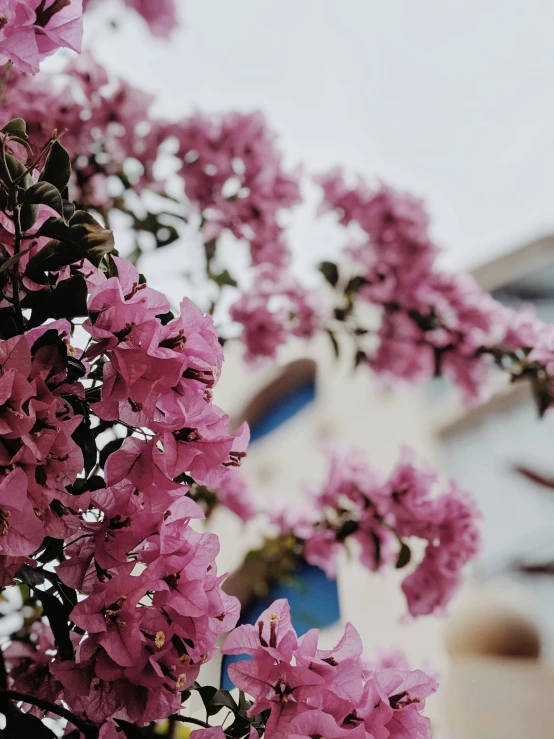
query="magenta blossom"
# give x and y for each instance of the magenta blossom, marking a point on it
(31, 30)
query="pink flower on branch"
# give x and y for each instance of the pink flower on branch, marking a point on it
(381, 515)
(334, 693)
(31, 30)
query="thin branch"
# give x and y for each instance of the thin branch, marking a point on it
(4, 79)
(91, 732)
(16, 249)
(190, 720)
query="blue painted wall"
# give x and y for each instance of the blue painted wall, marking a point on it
(283, 410)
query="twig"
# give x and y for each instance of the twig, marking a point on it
(190, 720)
(91, 732)
(4, 79)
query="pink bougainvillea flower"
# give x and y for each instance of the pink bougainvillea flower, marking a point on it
(21, 532)
(31, 30)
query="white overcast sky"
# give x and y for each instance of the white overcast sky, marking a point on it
(451, 100)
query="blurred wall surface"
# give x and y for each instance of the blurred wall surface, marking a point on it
(478, 447)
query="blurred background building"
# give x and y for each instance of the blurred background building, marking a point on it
(494, 451)
(453, 102)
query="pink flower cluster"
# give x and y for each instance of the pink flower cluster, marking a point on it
(432, 323)
(160, 374)
(154, 607)
(234, 493)
(311, 692)
(38, 456)
(31, 30)
(161, 15)
(380, 513)
(234, 177)
(275, 308)
(109, 131)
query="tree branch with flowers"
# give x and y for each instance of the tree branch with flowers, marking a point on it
(112, 449)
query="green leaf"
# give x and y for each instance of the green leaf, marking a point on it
(334, 343)
(81, 485)
(8, 323)
(84, 438)
(225, 699)
(30, 576)
(404, 556)
(16, 127)
(13, 260)
(18, 171)
(57, 169)
(214, 700)
(83, 238)
(57, 614)
(359, 358)
(330, 271)
(223, 278)
(355, 284)
(51, 550)
(165, 235)
(28, 216)
(165, 318)
(129, 730)
(68, 210)
(44, 193)
(68, 299)
(377, 545)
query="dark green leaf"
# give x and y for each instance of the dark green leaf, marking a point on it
(51, 550)
(57, 169)
(8, 323)
(68, 299)
(110, 448)
(16, 127)
(165, 318)
(404, 556)
(341, 314)
(75, 369)
(44, 193)
(57, 614)
(212, 697)
(165, 235)
(30, 576)
(334, 343)
(359, 358)
(210, 248)
(330, 271)
(355, 284)
(84, 438)
(377, 544)
(93, 394)
(223, 278)
(18, 171)
(12, 260)
(68, 210)
(244, 704)
(28, 216)
(130, 730)
(83, 238)
(81, 485)
(224, 698)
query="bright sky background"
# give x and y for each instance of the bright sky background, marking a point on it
(451, 100)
